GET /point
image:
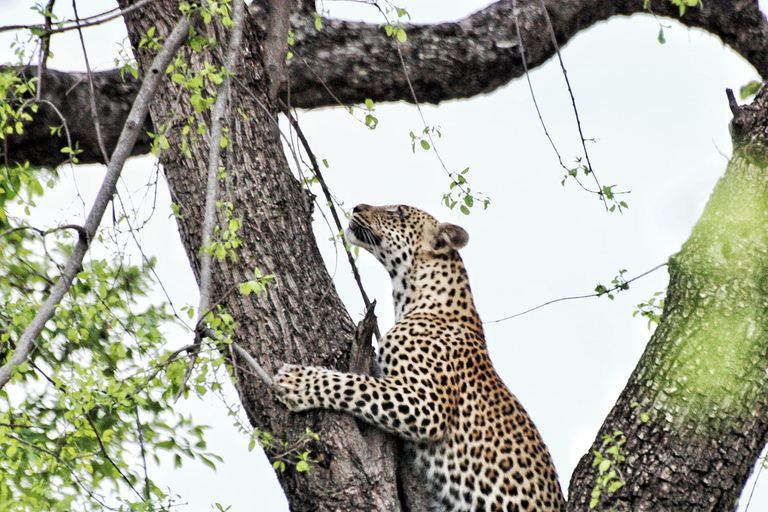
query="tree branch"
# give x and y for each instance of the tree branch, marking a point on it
(121, 153)
(347, 62)
(212, 184)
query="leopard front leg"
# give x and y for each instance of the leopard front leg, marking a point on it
(413, 411)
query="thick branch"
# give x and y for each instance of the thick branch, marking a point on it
(348, 62)
(481, 52)
(69, 93)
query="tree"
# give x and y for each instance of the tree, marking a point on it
(713, 441)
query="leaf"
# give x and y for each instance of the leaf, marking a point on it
(750, 89)
(660, 38)
(208, 462)
(401, 36)
(425, 145)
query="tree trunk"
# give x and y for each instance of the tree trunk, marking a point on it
(694, 413)
(301, 319)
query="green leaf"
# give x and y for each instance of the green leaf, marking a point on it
(660, 38)
(401, 36)
(425, 145)
(615, 486)
(750, 89)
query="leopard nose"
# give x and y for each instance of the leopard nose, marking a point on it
(361, 208)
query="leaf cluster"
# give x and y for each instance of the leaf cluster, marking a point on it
(606, 460)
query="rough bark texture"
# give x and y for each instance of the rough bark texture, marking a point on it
(695, 410)
(702, 434)
(345, 63)
(301, 320)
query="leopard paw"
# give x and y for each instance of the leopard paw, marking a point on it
(292, 383)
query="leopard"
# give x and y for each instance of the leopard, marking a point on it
(470, 438)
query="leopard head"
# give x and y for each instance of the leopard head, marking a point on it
(397, 235)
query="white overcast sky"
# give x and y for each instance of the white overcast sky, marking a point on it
(659, 117)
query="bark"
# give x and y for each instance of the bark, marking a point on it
(695, 410)
(301, 319)
(701, 382)
(345, 63)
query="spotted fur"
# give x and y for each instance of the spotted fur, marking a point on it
(476, 445)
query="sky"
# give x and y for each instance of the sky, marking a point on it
(658, 115)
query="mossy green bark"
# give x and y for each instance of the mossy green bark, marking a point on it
(695, 410)
(714, 334)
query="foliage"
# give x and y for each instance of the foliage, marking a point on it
(81, 418)
(95, 393)
(651, 309)
(750, 89)
(606, 460)
(284, 454)
(619, 284)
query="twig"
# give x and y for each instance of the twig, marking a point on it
(106, 456)
(573, 102)
(92, 95)
(327, 193)
(530, 88)
(732, 103)
(421, 114)
(80, 230)
(128, 136)
(143, 454)
(212, 186)
(45, 46)
(120, 14)
(562, 299)
(256, 367)
(754, 484)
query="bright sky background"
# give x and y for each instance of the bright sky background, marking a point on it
(659, 117)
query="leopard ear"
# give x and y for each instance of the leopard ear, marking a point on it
(448, 236)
